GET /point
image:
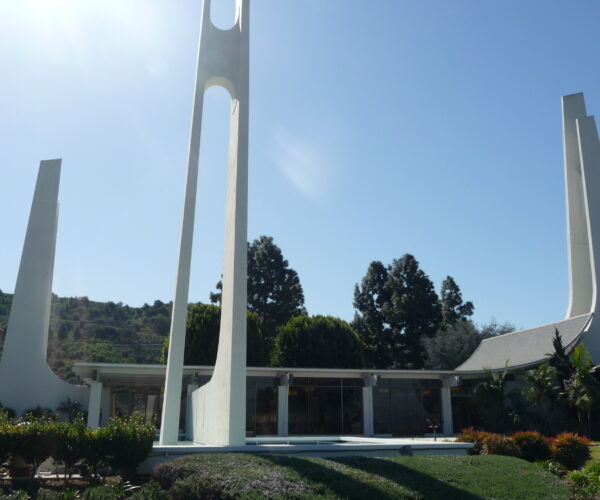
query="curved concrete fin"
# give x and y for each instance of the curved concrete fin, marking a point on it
(26, 379)
(578, 238)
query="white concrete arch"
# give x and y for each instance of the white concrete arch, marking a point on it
(218, 408)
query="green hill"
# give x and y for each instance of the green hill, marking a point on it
(85, 330)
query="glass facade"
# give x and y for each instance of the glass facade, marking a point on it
(322, 406)
(465, 410)
(261, 406)
(319, 406)
(145, 402)
(407, 407)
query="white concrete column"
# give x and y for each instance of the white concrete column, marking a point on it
(283, 409)
(189, 414)
(93, 420)
(447, 411)
(446, 396)
(367, 393)
(105, 406)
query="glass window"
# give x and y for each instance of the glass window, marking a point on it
(261, 406)
(406, 407)
(352, 410)
(298, 410)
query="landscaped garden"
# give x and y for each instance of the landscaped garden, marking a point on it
(228, 476)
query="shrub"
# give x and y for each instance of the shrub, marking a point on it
(151, 491)
(32, 441)
(68, 441)
(39, 413)
(497, 444)
(201, 486)
(552, 467)
(167, 473)
(592, 468)
(15, 495)
(126, 443)
(570, 450)
(5, 441)
(532, 446)
(584, 485)
(470, 435)
(101, 493)
(93, 447)
(8, 412)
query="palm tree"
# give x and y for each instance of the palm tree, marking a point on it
(542, 390)
(582, 389)
(70, 409)
(490, 392)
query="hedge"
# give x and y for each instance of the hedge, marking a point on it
(569, 450)
(122, 445)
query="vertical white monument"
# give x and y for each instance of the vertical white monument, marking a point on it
(26, 380)
(582, 180)
(219, 407)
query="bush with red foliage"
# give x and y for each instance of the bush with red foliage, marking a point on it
(532, 446)
(571, 450)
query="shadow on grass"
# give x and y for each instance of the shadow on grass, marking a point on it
(343, 484)
(424, 484)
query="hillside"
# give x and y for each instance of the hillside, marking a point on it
(85, 330)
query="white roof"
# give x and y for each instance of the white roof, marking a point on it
(524, 348)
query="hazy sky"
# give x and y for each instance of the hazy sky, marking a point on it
(376, 129)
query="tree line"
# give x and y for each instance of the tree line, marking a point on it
(400, 320)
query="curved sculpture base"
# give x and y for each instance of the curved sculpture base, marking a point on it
(25, 386)
(214, 421)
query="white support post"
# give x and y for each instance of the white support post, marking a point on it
(283, 395)
(189, 414)
(446, 396)
(367, 393)
(105, 406)
(447, 411)
(93, 420)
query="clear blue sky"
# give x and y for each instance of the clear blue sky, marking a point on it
(377, 128)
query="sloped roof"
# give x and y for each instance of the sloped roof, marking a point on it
(525, 347)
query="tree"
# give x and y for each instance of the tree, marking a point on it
(396, 308)
(541, 391)
(103, 352)
(202, 338)
(493, 329)
(582, 389)
(449, 348)
(490, 393)
(274, 291)
(369, 320)
(454, 309)
(70, 409)
(318, 342)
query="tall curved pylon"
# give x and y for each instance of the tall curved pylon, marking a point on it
(219, 407)
(528, 348)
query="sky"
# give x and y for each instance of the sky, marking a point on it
(376, 129)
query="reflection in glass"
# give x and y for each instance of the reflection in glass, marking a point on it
(406, 407)
(325, 406)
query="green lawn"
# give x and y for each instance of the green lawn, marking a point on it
(424, 477)
(595, 451)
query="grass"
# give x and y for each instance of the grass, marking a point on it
(595, 452)
(416, 478)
